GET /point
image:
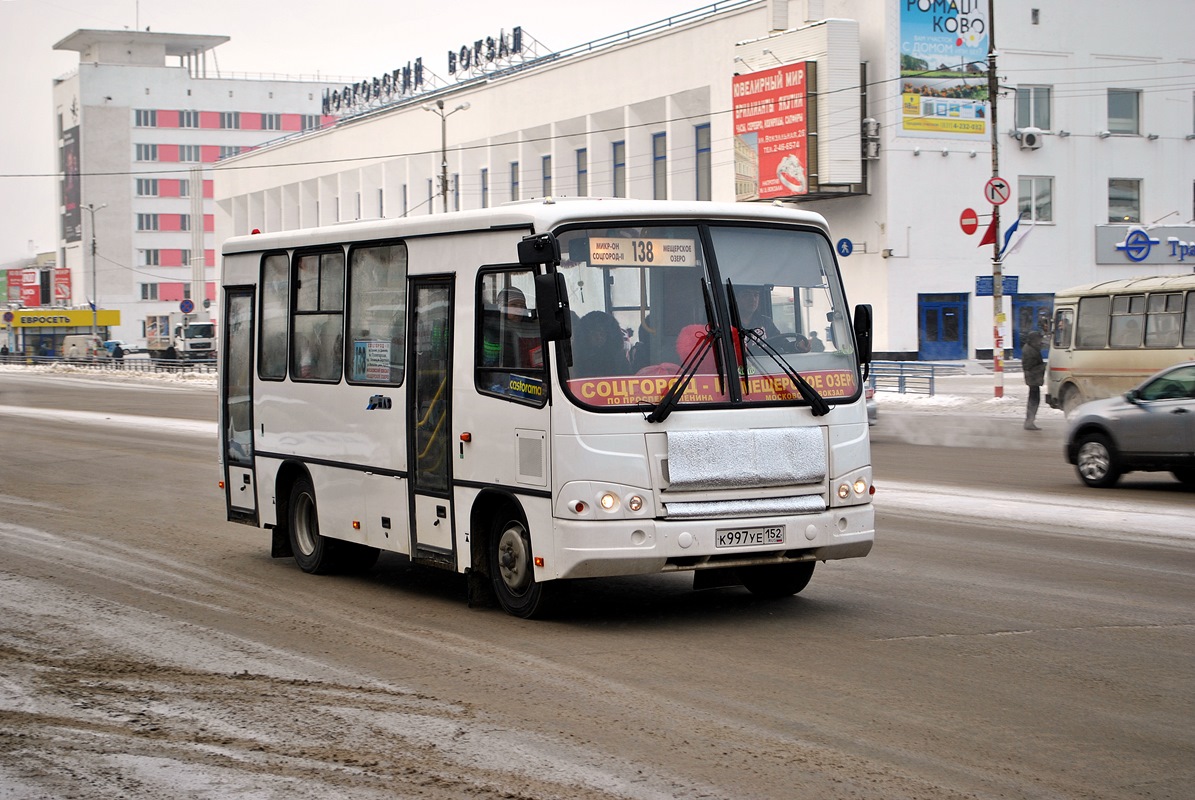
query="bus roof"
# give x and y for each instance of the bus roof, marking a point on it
(536, 215)
(1152, 283)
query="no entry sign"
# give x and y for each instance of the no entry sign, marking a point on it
(969, 221)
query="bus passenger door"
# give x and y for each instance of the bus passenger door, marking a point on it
(429, 421)
(236, 400)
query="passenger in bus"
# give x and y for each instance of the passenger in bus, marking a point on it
(816, 345)
(510, 335)
(598, 346)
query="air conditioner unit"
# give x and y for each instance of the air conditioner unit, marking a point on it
(1030, 138)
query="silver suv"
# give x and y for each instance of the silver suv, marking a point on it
(1150, 428)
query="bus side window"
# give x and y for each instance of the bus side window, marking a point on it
(509, 351)
(1062, 328)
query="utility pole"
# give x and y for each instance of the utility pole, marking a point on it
(91, 208)
(444, 115)
(997, 267)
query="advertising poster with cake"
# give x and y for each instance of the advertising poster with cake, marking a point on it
(770, 125)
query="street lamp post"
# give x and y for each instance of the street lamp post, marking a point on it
(91, 208)
(444, 115)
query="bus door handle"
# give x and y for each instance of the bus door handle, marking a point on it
(378, 401)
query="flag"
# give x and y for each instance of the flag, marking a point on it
(1008, 235)
(990, 236)
(1017, 244)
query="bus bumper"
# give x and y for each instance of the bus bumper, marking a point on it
(609, 548)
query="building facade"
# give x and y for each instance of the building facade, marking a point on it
(139, 124)
(875, 113)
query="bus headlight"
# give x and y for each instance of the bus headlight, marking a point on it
(608, 501)
(635, 503)
(593, 500)
(853, 489)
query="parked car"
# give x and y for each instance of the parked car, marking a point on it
(1150, 428)
(127, 347)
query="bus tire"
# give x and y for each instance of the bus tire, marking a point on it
(1072, 398)
(512, 569)
(313, 553)
(777, 580)
(1096, 462)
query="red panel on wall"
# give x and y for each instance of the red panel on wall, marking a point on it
(209, 119)
(170, 258)
(168, 152)
(168, 187)
(208, 190)
(167, 119)
(327, 121)
(209, 153)
(292, 122)
(209, 290)
(170, 222)
(250, 121)
(170, 291)
(209, 223)
(209, 259)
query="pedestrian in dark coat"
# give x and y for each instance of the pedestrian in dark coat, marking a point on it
(1033, 366)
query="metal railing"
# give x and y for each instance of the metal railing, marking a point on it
(909, 377)
(117, 365)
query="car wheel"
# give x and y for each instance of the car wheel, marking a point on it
(777, 580)
(1072, 398)
(512, 569)
(1096, 461)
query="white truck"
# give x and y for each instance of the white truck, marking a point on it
(180, 337)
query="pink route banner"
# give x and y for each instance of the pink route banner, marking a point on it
(770, 127)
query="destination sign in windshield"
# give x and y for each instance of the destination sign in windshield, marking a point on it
(608, 251)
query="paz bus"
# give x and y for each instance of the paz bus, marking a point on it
(550, 390)
(1110, 336)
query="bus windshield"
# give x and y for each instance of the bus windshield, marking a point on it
(657, 304)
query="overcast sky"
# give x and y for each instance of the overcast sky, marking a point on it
(360, 38)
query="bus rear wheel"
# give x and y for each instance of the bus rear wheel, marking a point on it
(777, 580)
(1072, 398)
(313, 553)
(512, 570)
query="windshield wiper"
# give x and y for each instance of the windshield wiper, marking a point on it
(817, 404)
(671, 398)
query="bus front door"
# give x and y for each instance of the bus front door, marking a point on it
(429, 422)
(237, 409)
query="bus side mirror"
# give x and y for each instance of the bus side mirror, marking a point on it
(539, 249)
(551, 306)
(863, 333)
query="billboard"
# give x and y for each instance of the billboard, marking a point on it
(72, 214)
(943, 68)
(770, 133)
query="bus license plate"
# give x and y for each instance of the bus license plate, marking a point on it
(749, 537)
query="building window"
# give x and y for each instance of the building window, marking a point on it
(149, 291)
(582, 172)
(704, 165)
(185, 257)
(271, 122)
(456, 191)
(149, 258)
(147, 152)
(514, 180)
(1035, 198)
(1124, 111)
(1124, 200)
(405, 206)
(618, 155)
(382, 203)
(147, 187)
(147, 222)
(230, 120)
(309, 122)
(659, 166)
(188, 152)
(1033, 107)
(188, 119)
(547, 172)
(184, 188)
(145, 118)
(228, 151)
(431, 195)
(184, 222)
(485, 188)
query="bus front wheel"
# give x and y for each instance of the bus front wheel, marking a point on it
(313, 553)
(777, 580)
(512, 570)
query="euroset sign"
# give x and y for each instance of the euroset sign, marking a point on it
(1155, 244)
(63, 318)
